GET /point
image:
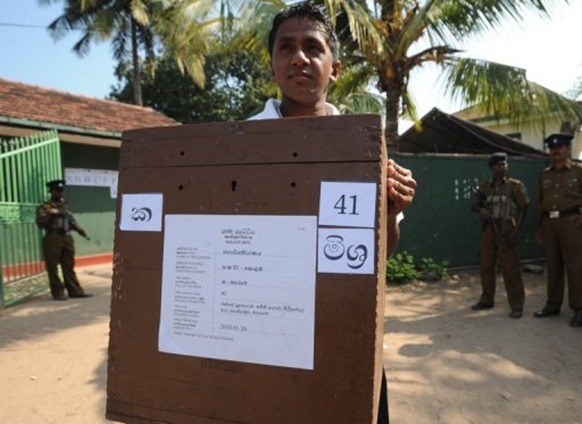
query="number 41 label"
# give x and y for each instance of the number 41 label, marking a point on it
(346, 204)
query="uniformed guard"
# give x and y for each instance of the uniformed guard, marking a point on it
(559, 227)
(58, 246)
(501, 202)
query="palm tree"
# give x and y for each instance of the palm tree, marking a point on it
(126, 22)
(247, 24)
(141, 25)
(391, 38)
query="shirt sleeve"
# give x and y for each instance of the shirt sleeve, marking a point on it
(521, 196)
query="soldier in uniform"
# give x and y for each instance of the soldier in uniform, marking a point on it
(58, 246)
(559, 228)
(501, 202)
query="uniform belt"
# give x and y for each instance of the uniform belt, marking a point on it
(563, 213)
(58, 231)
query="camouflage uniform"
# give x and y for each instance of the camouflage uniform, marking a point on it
(503, 203)
(59, 248)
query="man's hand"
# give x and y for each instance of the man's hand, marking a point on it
(82, 233)
(484, 214)
(401, 188)
(512, 238)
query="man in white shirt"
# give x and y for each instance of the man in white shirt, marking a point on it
(304, 60)
(304, 54)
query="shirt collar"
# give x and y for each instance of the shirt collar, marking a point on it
(272, 110)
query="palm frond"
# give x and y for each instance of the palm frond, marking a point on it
(412, 28)
(362, 25)
(355, 78)
(463, 18)
(360, 102)
(504, 92)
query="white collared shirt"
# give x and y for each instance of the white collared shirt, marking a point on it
(272, 110)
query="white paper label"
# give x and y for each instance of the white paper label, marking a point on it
(141, 212)
(346, 251)
(347, 204)
(93, 178)
(239, 288)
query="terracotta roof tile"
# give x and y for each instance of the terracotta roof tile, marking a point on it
(33, 103)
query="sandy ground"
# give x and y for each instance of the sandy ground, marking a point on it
(445, 363)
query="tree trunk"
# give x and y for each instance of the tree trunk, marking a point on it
(137, 97)
(393, 91)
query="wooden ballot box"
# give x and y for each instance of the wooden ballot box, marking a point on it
(249, 273)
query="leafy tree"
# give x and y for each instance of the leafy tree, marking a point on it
(237, 86)
(392, 38)
(250, 23)
(141, 25)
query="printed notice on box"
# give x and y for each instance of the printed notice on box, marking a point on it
(239, 288)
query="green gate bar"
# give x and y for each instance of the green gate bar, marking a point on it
(26, 164)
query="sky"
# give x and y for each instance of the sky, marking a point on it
(548, 49)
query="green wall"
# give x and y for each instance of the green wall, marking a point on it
(440, 224)
(93, 207)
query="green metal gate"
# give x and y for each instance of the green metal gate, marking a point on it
(26, 164)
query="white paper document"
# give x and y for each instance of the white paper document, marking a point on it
(240, 288)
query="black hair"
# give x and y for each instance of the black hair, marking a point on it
(305, 10)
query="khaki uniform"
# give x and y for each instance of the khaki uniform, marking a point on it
(559, 199)
(503, 203)
(59, 248)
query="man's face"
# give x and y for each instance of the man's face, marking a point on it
(57, 193)
(559, 153)
(302, 62)
(499, 169)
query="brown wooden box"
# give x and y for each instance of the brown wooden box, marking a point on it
(272, 167)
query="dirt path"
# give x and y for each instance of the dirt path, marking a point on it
(446, 364)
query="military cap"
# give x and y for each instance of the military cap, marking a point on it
(56, 184)
(558, 139)
(497, 157)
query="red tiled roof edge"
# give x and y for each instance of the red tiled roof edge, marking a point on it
(20, 101)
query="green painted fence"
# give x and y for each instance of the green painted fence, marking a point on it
(440, 224)
(25, 165)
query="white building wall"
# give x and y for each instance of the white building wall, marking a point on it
(577, 146)
(532, 133)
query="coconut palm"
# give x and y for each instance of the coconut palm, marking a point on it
(248, 25)
(124, 21)
(139, 26)
(392, 38)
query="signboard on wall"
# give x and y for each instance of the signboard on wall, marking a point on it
(92, 178)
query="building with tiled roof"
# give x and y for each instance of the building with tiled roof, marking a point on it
(78, 119)
(48, 134)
